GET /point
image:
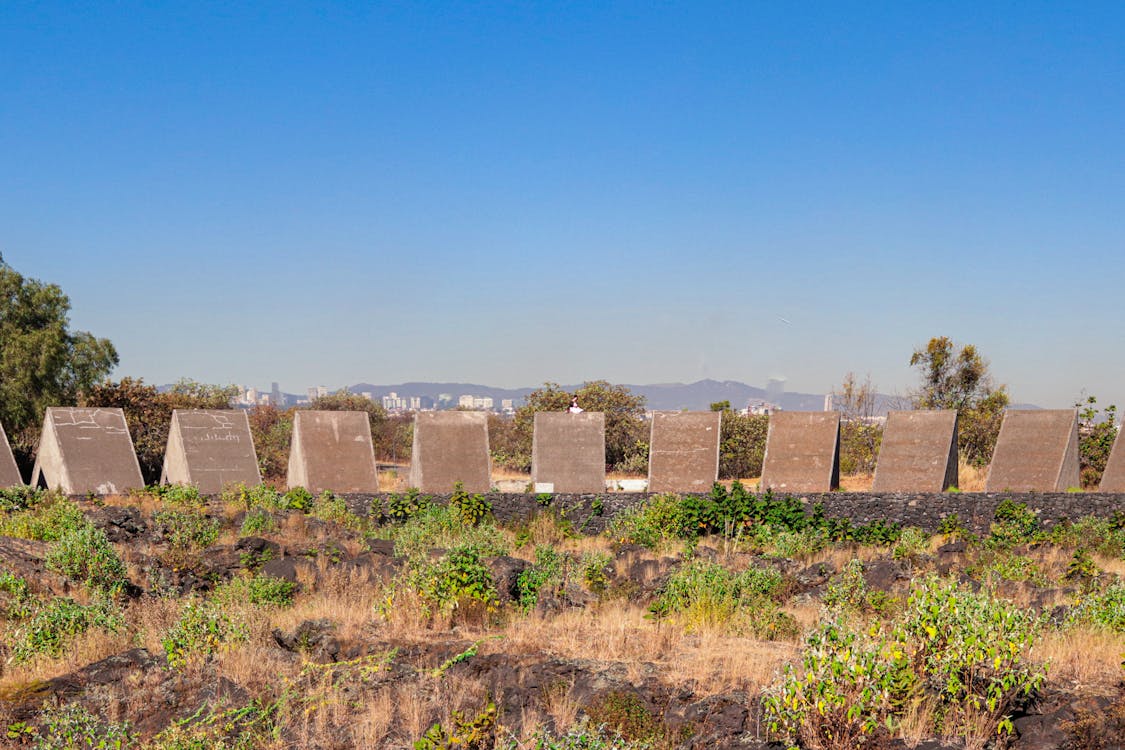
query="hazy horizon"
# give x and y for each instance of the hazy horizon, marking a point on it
(510, 195)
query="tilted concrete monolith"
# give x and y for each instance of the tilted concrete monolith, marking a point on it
(918, 452)
(9, 472)
(210, 449)
(86, 450)
(802, 452)
(332, 450)
(1113, 478)
(683, 454)
(450, 447)
(1036, 451)
(568, 451)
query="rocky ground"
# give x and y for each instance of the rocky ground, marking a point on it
(265, 620)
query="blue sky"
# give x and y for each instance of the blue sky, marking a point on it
(510, 193)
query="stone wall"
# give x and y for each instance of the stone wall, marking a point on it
(976, 510)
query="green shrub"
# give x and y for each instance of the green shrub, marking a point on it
(460, 575)
(51, 628)
(472, 509)
(257, 496)
(440, 526)
(401, 508)
(960, 650)
(1014, 524)
(1105, 609)
(178, 494)
(73, 726)
(187, 530)
(16, 604)
(19, 498)
(625, 714)
(467, 733)
(203, 628)
(45, 520)
(260, 590)
(594, 566)
(333, 508)
(703, 593)
(582, 737)
(258, 521)
(85, 555)
(298, 498)
(547, 572)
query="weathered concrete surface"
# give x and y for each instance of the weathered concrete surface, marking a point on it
(332, 450)
(9, 472)
(86, 450)
(683, 454)
(918, 453)
(1113, 478)
(210, 449)
(568, 450)
(802, 452)
(1036, 451)
(450, 447)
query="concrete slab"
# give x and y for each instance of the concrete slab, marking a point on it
(1113, 478)
(86, 450)
(919, 452)
(450, 447)
(9, 472)
(210, 449)
(1036, 451)
(683, 454)
(332, 450)
(568, 451)
(802, 452)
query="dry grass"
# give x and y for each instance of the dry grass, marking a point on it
(856, 482)
(971, 478)
(1087, 659)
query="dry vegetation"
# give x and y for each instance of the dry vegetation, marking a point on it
(319, 627)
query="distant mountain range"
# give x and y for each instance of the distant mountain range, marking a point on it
(694, 396)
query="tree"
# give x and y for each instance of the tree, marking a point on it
(860, 436)
(742, 442)
(272, 429)
(1096, 435)
(148, 412)
(626, 432)
(959, 379)
(42, 362)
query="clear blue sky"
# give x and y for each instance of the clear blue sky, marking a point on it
(510, 193)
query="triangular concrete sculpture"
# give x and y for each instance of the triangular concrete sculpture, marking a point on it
(683, 454)
(1113, 478)
(1036, 451)
(568, 451)
(332, 450)
(210, 449)
(802, 452)
(86, 450)
(450, 447)
(9, 472)
(919, 452)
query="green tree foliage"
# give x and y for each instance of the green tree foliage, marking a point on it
(742, 442)
(860, 436)
(272, 429)
(958, 378)
(149, 412)
(626, 432)
(1096, 434)
(42, 362)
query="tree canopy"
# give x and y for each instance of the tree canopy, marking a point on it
(958, 378)
(42, 362)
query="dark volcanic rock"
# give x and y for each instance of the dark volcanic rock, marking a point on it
(120, 524)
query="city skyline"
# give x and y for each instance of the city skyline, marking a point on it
(520, 194)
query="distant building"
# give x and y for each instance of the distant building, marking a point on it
(367, 395)
(759, 407)
(311, 393)
(321, 391)
(276, 398)
(415, 403)
(392, 402)
(465, 402)
(828, 397)
(506, 406)
(482, 402)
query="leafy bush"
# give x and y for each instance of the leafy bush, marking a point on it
(470, 508)
(85, 555)
(458, 576)
(1014, 524)
(1105, 609)
(702, 593)
(187, 530)
(593, 566)
(581, 737)
(298, 498)
(73, 726)
(260, 590)
(19, 498)
(548, 571)
(178, 494)
(440, 526)
(203, 628)
(257, 521)
(960, 650)
(52, 627)
(45, 520)
(625, 714)
(257, 496)
(401, 508)
(471, 733)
